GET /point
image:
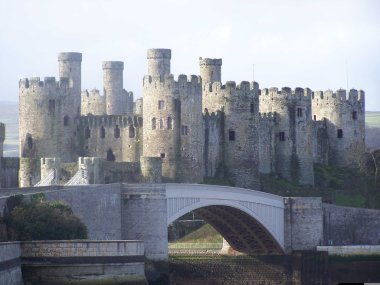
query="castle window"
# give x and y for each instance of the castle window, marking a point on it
(110, 155)
(29, 142)
(299, 112)
(161, 124)
(315, 117)
(87, 133)
(102, 132)
(162, 155)
(340, 133)
(51, 106)
(231, 135)
(153, 123)
(66, 120)
(170, 123)
(281, 136)
(184, 130)
(177, 105)
(116, 132)
(161, 104)
(252, 108)
(354, 115)
(131, 132)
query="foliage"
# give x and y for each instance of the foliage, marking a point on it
(42, 220)
(205, 234)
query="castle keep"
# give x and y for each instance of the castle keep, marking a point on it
(185, 128)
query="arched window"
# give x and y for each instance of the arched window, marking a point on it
(116, 132)
(29, 142)
(153, 123)
(87, 133)
(66, 120)
(110, 155)
(102, 132)
(132, 132)
(170, 123)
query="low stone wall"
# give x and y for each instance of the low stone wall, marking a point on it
(81, 248)
(10, 265)
(351, 249)
(83, 262)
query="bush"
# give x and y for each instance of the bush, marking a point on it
(42, 220)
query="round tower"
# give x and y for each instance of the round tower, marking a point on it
(70, 67)
(113, 86)
(210, 69)
(159, 62)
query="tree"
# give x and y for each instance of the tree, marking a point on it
(42, 220)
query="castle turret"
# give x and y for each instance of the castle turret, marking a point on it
(210, 69)
(159, 62)
(151, 169)
(70, 67)
(173, 120)
(113, 87)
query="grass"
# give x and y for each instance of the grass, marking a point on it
(205, 234)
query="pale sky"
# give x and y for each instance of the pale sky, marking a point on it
(295, 43)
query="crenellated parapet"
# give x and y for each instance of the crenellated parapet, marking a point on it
(35, 85)
(111, 121)
(92, 103)
(168, 81)
(286, 94)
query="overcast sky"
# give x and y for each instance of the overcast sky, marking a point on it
(305, 43)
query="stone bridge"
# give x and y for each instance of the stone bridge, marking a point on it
(251, 221)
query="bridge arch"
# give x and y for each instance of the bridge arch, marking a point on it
(251, 221)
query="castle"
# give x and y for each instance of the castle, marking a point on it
(183, 129)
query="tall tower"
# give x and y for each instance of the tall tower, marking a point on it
(211, 69)
(2, 138)
(159, 62)
(113, 87)
(70, 67)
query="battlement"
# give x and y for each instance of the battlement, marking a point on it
(210, 61)
(339, 96)
(231, 86)
(91, 93)
(159, 53)
(70, 56)
(113, 65)
(111, 120)
(84, 160)
(169, 80)
(48, 83)
(287, 93)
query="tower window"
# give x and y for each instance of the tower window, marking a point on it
(170, 123)
(231, 135)
(354, 115)
(281, 136)
(315, 117)
(29, 142)
(299, 112)
(51, 106)
(161, 104)
(66, 120)
(161, 124)
(340, 133)
(162, 155)
(184, 130)
(116, 132)
(153, 123)
(87, 133)
(102, 132)
(252, 108)
(132, 132)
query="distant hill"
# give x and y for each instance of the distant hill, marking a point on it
(9, 116)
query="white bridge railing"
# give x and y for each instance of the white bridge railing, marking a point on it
(50, 179)
(80, 178)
